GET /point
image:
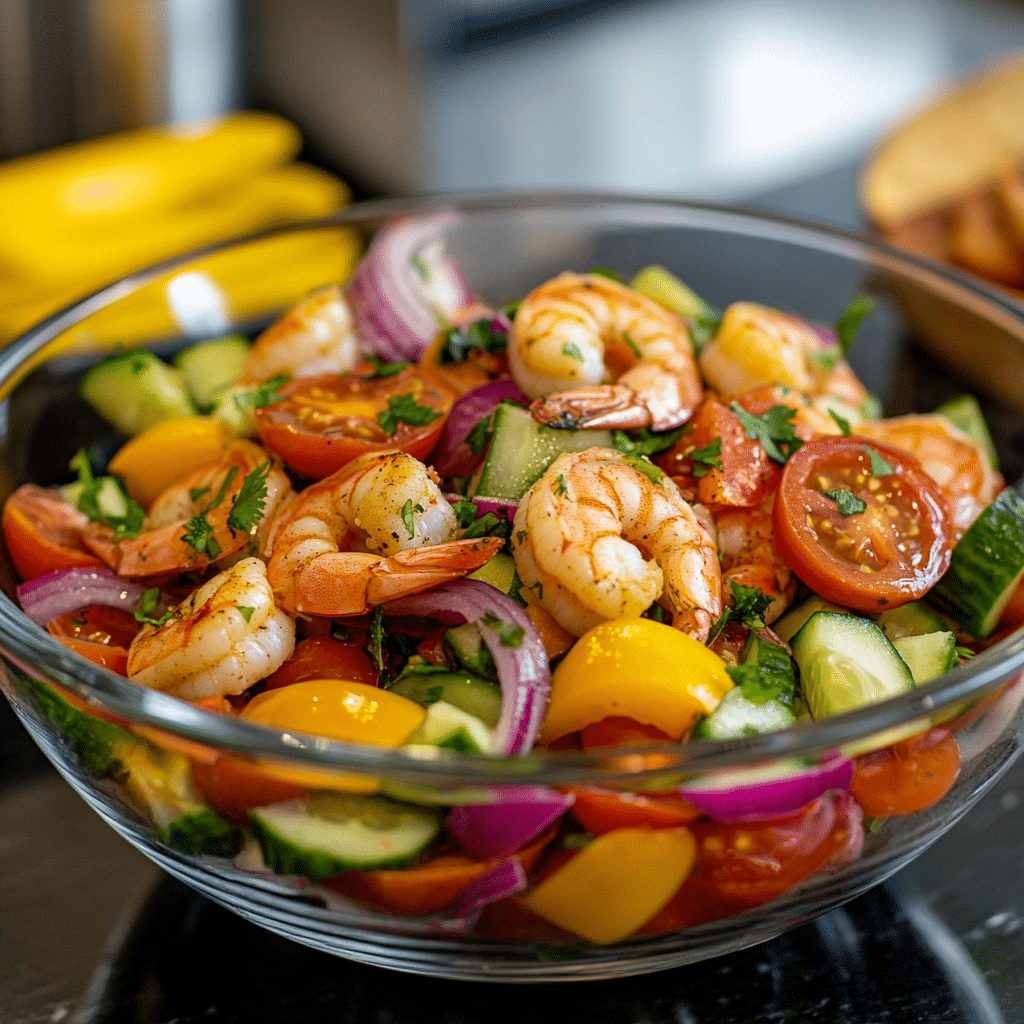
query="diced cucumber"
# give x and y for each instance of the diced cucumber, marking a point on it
(928, 655)
(110, 498)
(450, 727)
(663, 286)
(965, 413)
(736, 716)
(986, 567)
(470, 693)
(521, 449)
(789, 625)
(499, 571)
(464, 645)
(134, 390)
(326, 833)
(210, 366)
(847, 662)
(912, 619)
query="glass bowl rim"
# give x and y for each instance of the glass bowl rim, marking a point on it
(42, 657)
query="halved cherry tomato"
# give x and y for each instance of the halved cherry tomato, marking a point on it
(602, 810)
(44, 533)
(743, 865)
(101, 634)
(232, 786)
(888, 554)
(324, 422)
(323, 657)
(618, 731)
(908, 776)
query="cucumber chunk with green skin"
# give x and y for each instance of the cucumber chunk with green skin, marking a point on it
(912, 619)
(847, 662)
(737, 716)
(986, 567)
(325, 833)
(209, 367)
(467, 692)
(453, 729)
(965, 413)
(499, 571)
(521, 449)
(663, 286)
(134, 390)
(465, 646)
(789, 625)
(928, 655)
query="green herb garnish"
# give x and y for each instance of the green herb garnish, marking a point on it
(707, 458)
(198, 532)
(146, 606)
(843, 425)
(480, 436)
(248, 504)
(127, 526)
(572, 350)
(879, 467)
(405, 409)
(645, 441)
(382, 369)
(479, 335)
(509, 634)
(846, 331)
(849, 504)
(645, 466)
(772, 429)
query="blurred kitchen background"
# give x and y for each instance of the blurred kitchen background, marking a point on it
(719, 99)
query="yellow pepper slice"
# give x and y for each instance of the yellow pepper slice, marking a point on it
(635, 668)
(167, 452)
(616, 883)
(340, 710)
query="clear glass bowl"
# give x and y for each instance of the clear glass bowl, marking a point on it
(506, 244)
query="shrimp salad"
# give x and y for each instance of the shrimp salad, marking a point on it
(604, 515)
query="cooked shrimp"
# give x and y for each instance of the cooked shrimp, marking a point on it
(756, 345)
(194, 522)
(377, 529)
(315, 336)
(224, 637)
(596, 538)
(595, 353)
(749, 557)
(949, 456)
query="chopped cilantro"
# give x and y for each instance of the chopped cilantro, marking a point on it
(146, 606)
(509, 634)
(480, 436)
(382, 369)
(656, 612)
(879, 467)
(515, 588)
(340, 633)
(248, 504)
(488, 525)
(846, 331)
(750, 604)
(849, 504)
(88, 503)
(645, 441)
(645, 466)
(871, 408)
(634, 348)
(703, 329)
(612, 275)
(843, 425)
(375, 639)
(520, 536)
(263, 394)
(198, 532)
(405, 409)
(560, 485)
(408, 518)
(771, 429)
(432, 695)
(572, 350)
(465, 512)
(245, 611)
(480, 335)
(707, 457)
(195, 493)
(511, 308)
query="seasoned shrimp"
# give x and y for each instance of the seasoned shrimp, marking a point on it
(596, 538)
(749, 557)
(756, 345)
(195, 522)
(377, 529)
(224, 637)
(952, 459)
(595, 353)
(315, 336)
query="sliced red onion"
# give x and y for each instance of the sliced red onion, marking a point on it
(452, 456)
(522, 670)
(67, 590)
(513, 817)
(405, 288)
(773, 789)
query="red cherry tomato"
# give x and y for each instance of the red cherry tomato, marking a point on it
(101, 634)
(908, 776)
(44, 533)
(323, 657)
(232, 786)
(890, 553)
(619, 731)
(603, 810)
(743, 865)
(324, 422)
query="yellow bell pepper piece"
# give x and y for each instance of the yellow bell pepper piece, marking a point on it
(350, 711)
(135, 174)
(635, 668)
(167, 452)
(616, 883)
